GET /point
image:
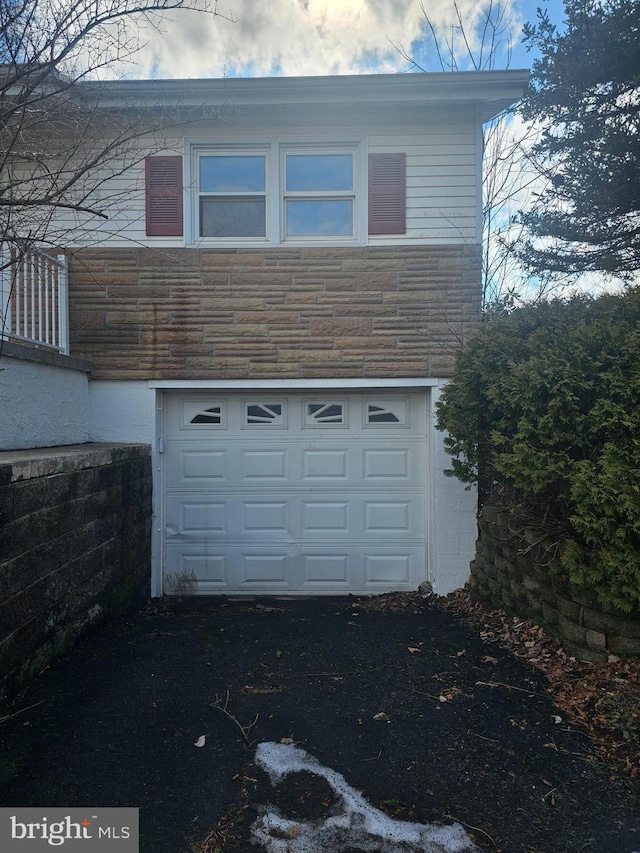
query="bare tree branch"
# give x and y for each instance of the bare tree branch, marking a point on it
(58, 130)
(482, 41)
(67, 150)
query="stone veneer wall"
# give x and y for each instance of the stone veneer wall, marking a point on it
(75, 548)
(514, 570)
(278, 313)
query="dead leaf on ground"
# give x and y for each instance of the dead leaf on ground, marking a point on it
(450, 693)
(413, 650)
(488, 659)
(287, 740)
(201, 740)
(600, 697)
(381, 717)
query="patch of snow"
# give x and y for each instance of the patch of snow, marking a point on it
(359, 824)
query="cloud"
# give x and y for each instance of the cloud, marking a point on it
(296, 37)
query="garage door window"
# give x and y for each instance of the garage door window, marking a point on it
(383, 413)
(324, 413)
(209, 416)
(205, 415)
(270, 414)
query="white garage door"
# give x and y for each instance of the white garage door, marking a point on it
(292, 493)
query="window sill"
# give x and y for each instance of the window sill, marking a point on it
(267, 244)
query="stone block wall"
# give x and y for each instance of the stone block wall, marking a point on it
(274, 313)
(519, 571)
(75, 548)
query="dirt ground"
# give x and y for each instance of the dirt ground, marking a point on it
(402, 696)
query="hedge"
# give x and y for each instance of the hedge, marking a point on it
(543, 413)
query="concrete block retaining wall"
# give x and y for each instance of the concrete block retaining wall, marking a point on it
(75, 548)
(516, 571)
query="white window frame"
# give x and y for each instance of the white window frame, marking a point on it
(275, 153)
(318, 195)
(240, 150)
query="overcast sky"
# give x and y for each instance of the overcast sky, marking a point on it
(299, 37)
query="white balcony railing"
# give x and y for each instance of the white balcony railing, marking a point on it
(33, 298)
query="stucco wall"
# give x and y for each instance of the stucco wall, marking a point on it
(122, 411)
(44, 398)
(452, 513)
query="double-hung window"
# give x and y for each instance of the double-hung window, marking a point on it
(278, 192)
(232, 190)
(318, 194)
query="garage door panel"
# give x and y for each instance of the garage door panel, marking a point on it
(325, 465)
(263, 464)
(230, 568)
(386, 464)
(205, 568)
(391, 568)
(199, 467)
(239, 567)
(324, 517)
(390, 516)
(227, 517)
(198, 517)
(265, 517)
(265, 568)
(191, 466)
(333, 570)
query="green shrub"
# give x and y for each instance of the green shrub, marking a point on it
(543, 412)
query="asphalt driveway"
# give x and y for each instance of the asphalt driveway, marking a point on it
(405, 701)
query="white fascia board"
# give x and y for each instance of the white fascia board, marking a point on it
(500, 87)
(281, 384)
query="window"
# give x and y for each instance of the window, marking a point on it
(324, 413)
(232, 195)
(319, 197)
(265, 414)
(203, 415)
(276, 192)
(386, 413)
(209, 416)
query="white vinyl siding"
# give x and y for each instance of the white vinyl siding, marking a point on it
(121, 198)
(443, 184)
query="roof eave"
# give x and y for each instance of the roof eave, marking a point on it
(496, 89)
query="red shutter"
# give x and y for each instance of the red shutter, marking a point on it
(387, 194)
(163, 192)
